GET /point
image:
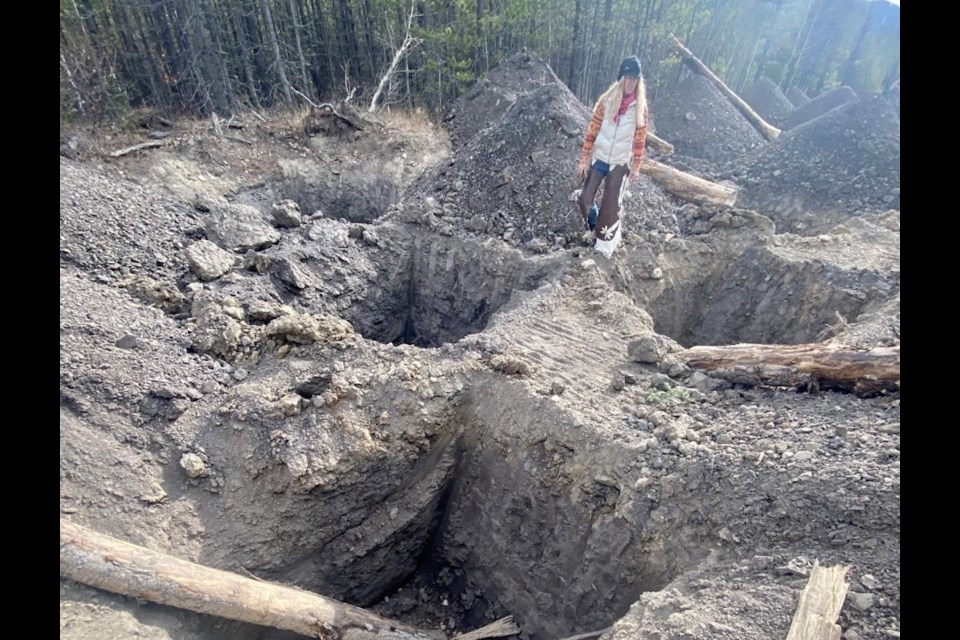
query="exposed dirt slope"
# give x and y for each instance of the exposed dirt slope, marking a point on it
(423, 416)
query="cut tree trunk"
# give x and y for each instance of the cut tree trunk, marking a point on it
(688, 187)
(659, 144)
(128, 569)
(820, 604)
(817, 365)
(766, 129)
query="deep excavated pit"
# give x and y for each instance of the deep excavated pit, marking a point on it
(507, 513)
(444, 288)
(509, 502)
(480, 531)
(510, 531)
(757, 287)
(436, 289)
(514, 505)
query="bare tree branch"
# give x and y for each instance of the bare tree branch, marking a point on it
(215, 119)
(409, 42)
(302, 95)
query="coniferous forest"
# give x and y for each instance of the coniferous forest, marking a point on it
(206, 56)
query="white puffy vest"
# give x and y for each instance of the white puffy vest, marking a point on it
(614, 143)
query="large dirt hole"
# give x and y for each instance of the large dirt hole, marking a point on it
(516, 534)
(436, 289)
(791, 292)
(477, 529)
(355, 194)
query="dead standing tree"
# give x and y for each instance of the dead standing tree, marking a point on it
(275, 47)
(409, 43)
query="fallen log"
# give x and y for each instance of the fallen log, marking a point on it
(237, 139)
(137, 147)
(589, 634)
(688, 187)
(659, 144)
(766, 129)
(820, 604)
(131, 570)
(817, 365)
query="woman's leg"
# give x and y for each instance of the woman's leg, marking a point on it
(589, 191)
(608, 223)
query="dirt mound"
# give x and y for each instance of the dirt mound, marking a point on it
(700, 122)
(843, 163)
(766, 99)
(114, 233)
(797, 97)
(820, 105)
(517, 138)
(487, 101)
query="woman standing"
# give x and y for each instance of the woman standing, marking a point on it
(613, 151)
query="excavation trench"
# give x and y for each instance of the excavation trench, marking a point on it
(501, 516)
(452, 496)
(514, 509)
(489, 498)
(749, 287)
(428, 289)
(517, 509)
(498, 528)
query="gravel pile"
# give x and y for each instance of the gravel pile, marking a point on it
(846, 162)
(116, 228)
(701, 123)
(492, 96)
(517, 139)
(797, 96)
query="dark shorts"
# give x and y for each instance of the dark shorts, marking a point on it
(602, 167)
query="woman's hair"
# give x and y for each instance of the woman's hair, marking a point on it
(611, 99)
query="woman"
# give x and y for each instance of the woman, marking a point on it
(613, 150)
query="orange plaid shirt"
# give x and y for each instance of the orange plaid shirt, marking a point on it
(593, 129)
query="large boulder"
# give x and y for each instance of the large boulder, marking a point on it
(240, 227)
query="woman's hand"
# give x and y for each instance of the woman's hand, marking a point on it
(581, 171)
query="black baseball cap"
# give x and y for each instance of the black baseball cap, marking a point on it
(630, 67)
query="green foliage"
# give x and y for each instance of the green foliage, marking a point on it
(674, 395)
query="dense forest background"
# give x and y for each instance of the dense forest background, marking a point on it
(204, 56)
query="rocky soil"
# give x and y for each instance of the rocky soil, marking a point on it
(365, 367)
(844, 163)
(703, 125)
(516, 141)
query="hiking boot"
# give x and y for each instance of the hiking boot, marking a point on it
(592, 217)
